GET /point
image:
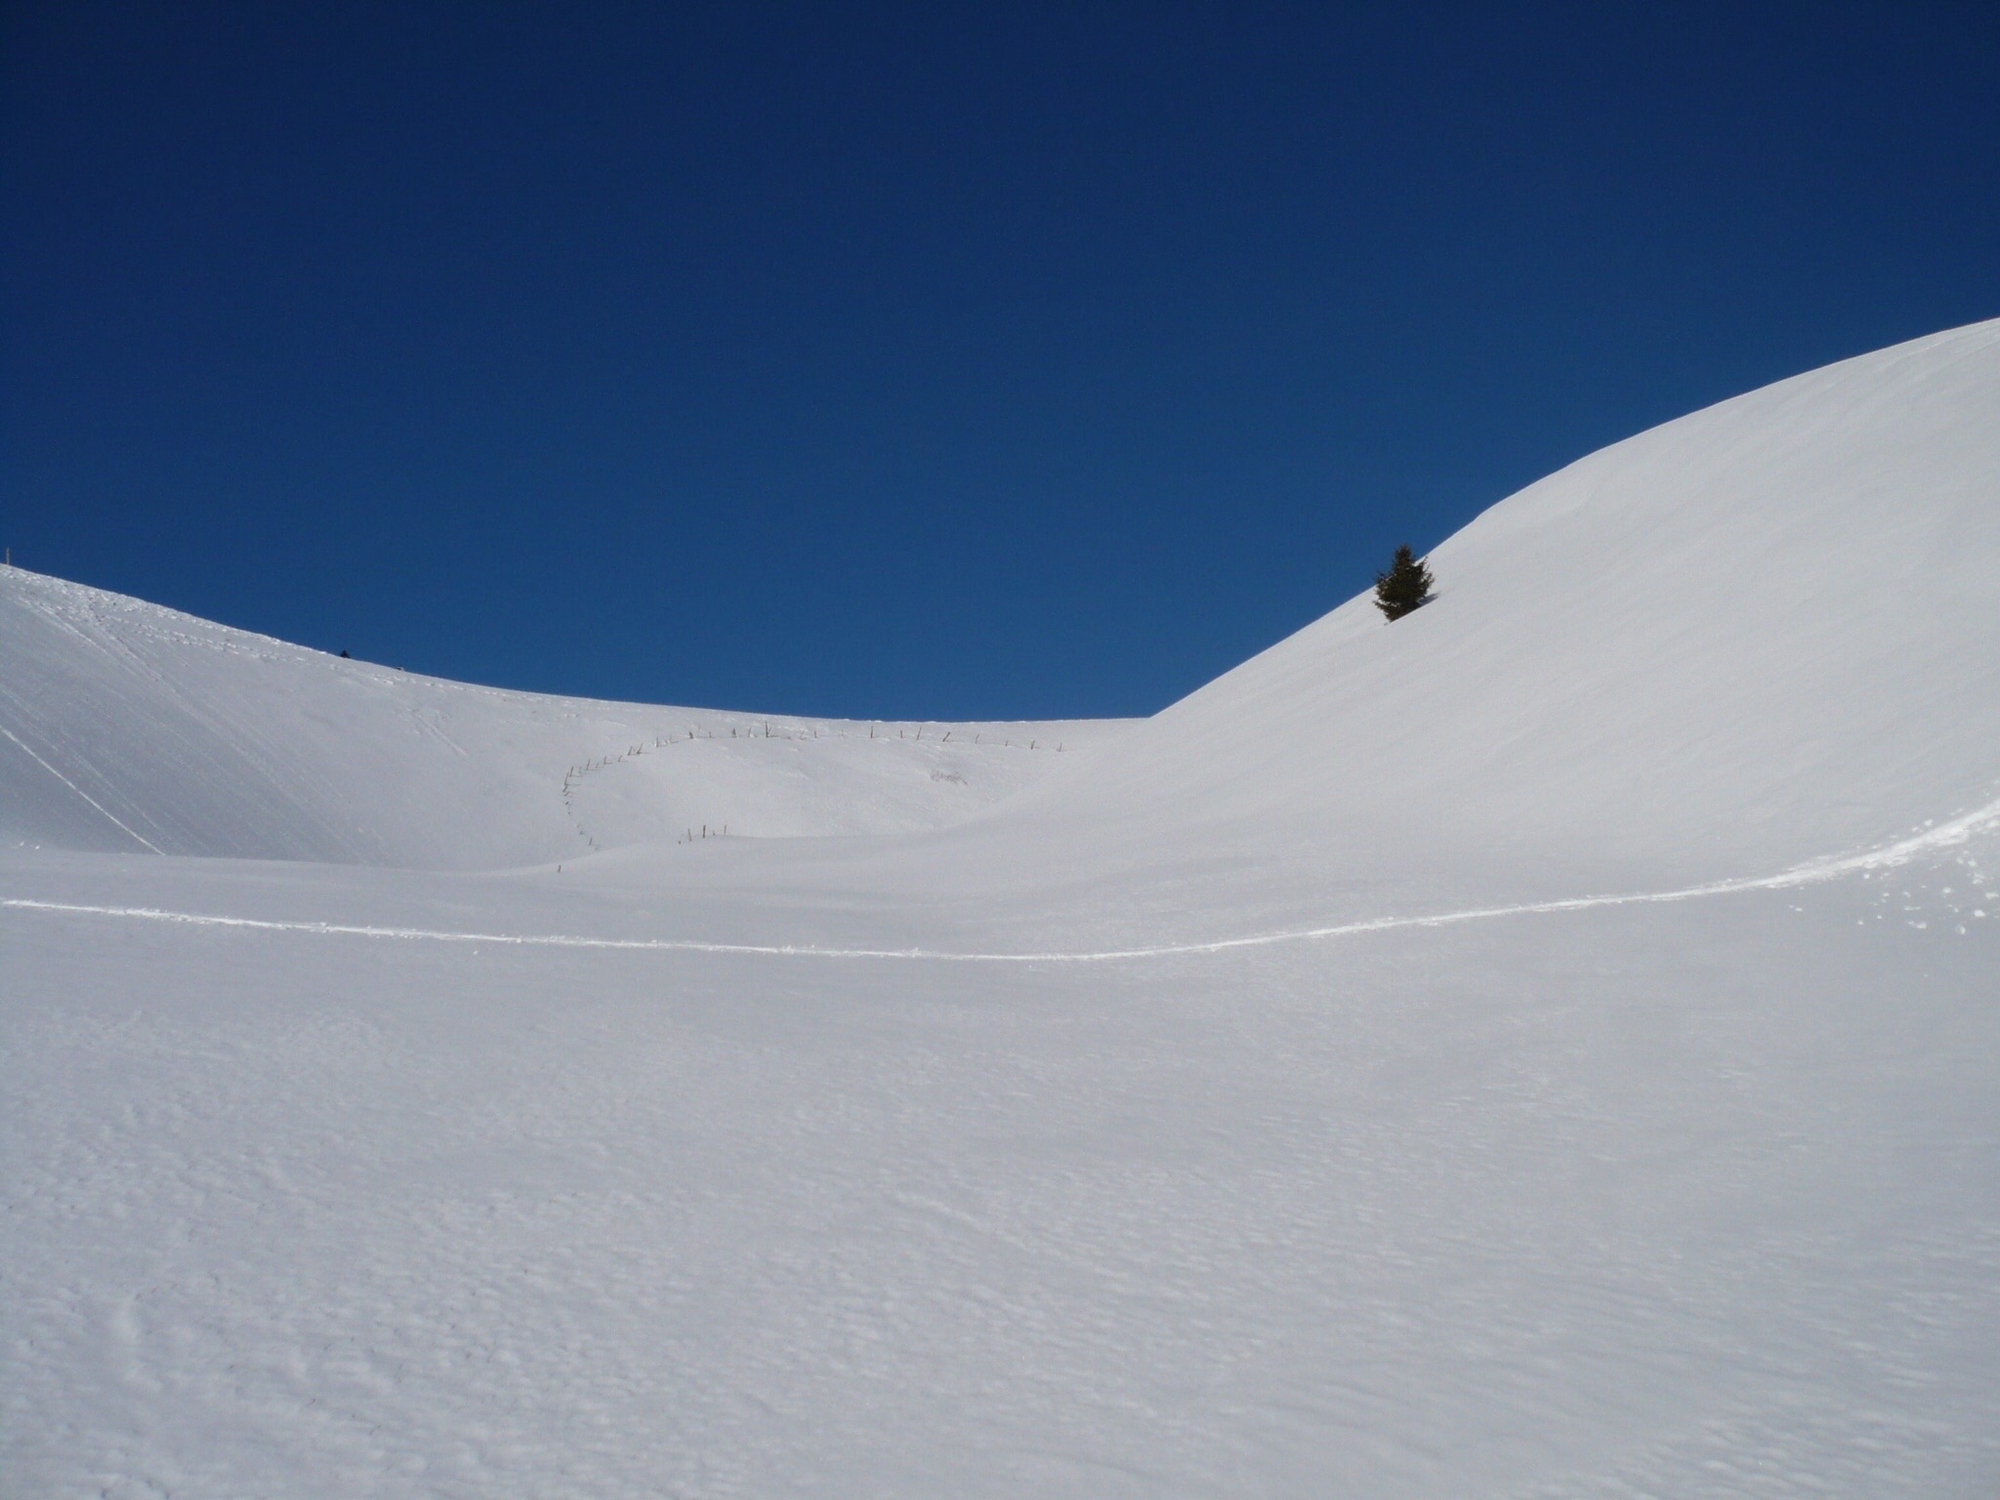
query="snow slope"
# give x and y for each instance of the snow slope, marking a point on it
(1546, 1047)
(126, 726)
(1760, 633)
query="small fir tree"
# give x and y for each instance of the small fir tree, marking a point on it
(1404, 587)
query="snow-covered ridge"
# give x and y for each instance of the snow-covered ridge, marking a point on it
(127, 726)
(1764, 633)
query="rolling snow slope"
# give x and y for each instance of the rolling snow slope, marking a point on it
(1259, 1100)
(1767, 631)
(126, 726)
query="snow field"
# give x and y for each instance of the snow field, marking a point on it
(1928, 841)
(1582, 1204)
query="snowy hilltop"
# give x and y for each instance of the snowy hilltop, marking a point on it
(1543, 1046)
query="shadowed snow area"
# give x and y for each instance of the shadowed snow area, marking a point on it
(1549, 1046)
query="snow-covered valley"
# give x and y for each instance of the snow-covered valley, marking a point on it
(1548, 1046)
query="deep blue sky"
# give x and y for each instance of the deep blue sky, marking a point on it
(922, 361)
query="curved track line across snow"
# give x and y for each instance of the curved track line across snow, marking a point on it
(1956, 831)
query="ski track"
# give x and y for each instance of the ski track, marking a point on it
(123, 827)
(1956, 831)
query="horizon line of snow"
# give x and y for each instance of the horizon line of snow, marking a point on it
(1956, 831)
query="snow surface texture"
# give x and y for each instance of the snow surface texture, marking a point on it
(1549, 1046)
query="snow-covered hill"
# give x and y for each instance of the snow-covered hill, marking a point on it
(1549, 1046)
(1764, 632)
(1757, 634)
(125, 726)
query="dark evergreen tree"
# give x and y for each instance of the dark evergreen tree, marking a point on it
(1404, 587)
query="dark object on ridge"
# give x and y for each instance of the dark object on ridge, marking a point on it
(344, 656)
(1406, 586)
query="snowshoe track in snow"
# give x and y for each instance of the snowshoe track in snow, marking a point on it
(1940, 836)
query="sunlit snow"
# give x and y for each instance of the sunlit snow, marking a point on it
(1548, 1046)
